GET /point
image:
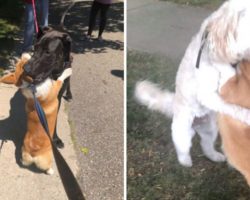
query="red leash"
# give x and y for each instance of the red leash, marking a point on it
(35, 17)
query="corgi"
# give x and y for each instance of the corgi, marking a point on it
(36, 146)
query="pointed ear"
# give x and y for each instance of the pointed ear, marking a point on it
(42, 31)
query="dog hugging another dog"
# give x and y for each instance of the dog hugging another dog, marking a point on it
(212, 89)
(49, 70)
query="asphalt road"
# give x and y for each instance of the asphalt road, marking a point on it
(97, 111)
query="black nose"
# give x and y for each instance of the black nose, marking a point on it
(27, 68)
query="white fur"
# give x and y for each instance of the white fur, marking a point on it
(66, 73)
(196, 98)
(42, 89)
(50, 171)
(26, 56)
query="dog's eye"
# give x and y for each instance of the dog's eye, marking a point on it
(47, 52)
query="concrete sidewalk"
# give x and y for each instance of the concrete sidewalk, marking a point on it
(161, 27)
(18, 183)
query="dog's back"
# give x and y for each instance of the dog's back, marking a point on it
(235, 134)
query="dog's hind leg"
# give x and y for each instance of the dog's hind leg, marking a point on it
(182, 134)
(68, 96)
(65, 79)
(44, 162)
(26, 159)
(207, 128)
(57, 141)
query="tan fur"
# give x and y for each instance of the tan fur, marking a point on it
(36, 146)
(235, 134)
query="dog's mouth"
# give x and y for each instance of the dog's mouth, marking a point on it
(31, 77)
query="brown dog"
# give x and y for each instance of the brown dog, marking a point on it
(36, 146)
(234, 133)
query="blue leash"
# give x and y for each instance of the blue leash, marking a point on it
(68, 179)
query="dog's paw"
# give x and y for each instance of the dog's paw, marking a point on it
(50, 171)
(185, 160)
(24, 163)
(66, 73)
(217, 157)
(26, 56)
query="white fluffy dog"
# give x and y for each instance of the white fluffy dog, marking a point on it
(223, 40)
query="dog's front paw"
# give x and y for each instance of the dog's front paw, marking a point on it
(217, 157)
(66, 73)
(185, 160)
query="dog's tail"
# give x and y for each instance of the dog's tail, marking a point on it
(150, 95)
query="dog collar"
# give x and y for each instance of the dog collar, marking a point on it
(203, 41)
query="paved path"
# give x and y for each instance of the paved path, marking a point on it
(161, 27)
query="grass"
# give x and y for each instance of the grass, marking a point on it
(153, 169)
(11, 14)
(206, 3)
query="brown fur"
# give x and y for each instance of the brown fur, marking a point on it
(36, 146)
(235, 134)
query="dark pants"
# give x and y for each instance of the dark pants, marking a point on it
(96, 7)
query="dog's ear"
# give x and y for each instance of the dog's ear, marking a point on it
(42, 31)
(66, 39)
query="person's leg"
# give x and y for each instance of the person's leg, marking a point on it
(103, 19)
(44, 12)
(28, 28)
(92, 18)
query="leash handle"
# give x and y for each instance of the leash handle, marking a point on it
(35, 16)
(68, 179)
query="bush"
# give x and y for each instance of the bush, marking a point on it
(11, 12)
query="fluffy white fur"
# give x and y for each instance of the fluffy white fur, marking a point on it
(196, 98)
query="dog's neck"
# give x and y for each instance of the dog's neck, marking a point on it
(42, 89)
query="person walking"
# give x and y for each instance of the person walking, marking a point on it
(42, 6)
(101, 6)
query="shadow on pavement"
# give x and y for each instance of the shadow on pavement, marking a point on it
(14, 127)
(118, 73)
(75, 23)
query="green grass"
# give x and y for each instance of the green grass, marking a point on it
(207, 3)
(153, 170)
